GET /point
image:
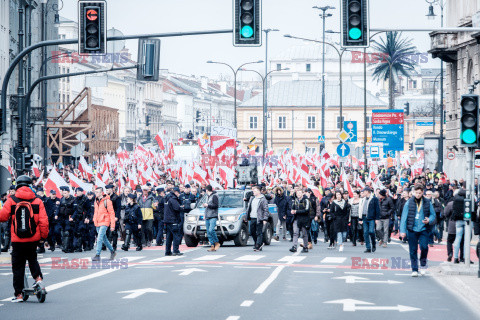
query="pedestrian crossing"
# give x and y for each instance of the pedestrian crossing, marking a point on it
(249, 257)
(210, 257)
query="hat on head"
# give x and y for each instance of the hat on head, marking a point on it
(367, 189)
(383, 193)
(160, 190)
(80, 189)
(132, 196)
(64, 188)
(145, 187)
(176, 189)
(109, 186)
(53, 192)
(12, 187)
(90, 193)
(187, 186)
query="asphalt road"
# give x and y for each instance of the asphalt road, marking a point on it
(236, 283)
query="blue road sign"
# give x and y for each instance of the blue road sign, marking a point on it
(388, 128)
(425, 124)
(350, 127)
(321, 139)
(343, 150)
(374, 152)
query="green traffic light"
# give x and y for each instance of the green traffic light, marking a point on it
(355, 33)
(469, 136)
(467, 215)
(247, 32)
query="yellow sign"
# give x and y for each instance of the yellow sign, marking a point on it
(252, 139)
(343, 136)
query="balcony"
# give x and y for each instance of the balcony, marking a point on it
(442, 44)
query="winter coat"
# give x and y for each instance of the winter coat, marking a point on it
(386, 208)
(302, 210)
(340, 216)
(172, 209)
(451, 228)
(104, 214)
(262, 211)
(133, 215)
(458, 208)
(40, 215)
(282, 205)
(146, 205)
(211, 211)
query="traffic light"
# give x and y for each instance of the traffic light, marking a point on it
(27, 161)
(247, 21)
(198, 116)
(469, 120)
(406, 110)
(467, 215)
(355, 23)
(147, 121)
(92, 17)
(148, 60)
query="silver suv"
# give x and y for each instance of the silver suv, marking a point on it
(231, 224)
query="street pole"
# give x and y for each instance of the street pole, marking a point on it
(20, 91)
(470, 195)
(265, 88)
(440, 144)
(292, 127)
(365, 108)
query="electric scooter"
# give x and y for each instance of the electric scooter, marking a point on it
(35, 290)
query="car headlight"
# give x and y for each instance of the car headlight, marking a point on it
(191, 218)
(231, 218)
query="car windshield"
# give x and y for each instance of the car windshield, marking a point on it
(226, 200)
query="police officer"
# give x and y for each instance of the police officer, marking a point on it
(133, 223)
(41, 195)
(90, 231)
(51, 207)
(64, 217)
(79, 219)
(117, 207)
(186, 200)
(172, 223)
(158, 214)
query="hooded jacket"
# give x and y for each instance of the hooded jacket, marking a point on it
(104, 214)
(40, 215)
(282, 204)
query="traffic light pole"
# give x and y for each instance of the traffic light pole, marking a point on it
(471, 196)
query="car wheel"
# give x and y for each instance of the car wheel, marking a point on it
(267, 236)
(242, 237)
(190, 241)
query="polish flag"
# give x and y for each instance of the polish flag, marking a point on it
(85, 168)
(159, 139)
(35, 169)
(221, 145)
(77, 183)
(227, 175)
(54, 182)
(316, 191)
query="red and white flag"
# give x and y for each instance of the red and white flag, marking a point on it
(159, 138)
(54, 182)
(78, 183)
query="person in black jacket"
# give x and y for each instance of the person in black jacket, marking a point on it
(64, 218)
(79, 219)
(386, 214)
(41, 195)
(399, 209)
(133, 223)
(117, 207)
(300, 209)
(90, 231)
(458, 211)
(51, 207)
(340, 210)
(172, 223)
(282, 208)
(158, 212)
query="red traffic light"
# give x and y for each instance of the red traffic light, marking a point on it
(92, 15)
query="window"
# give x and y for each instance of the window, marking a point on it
(414, 84)
(308, 67)
(253, 122)
(311, 122)
(282, 122)
(369, 122)
(338, 122)
(279, 66)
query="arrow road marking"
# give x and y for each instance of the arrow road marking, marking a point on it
(354, 279)
(350, 305)
(186, 272)
(138, 292)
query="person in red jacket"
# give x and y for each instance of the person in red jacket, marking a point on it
(25, 248)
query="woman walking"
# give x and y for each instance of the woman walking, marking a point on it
(354, 214)
(340, 210)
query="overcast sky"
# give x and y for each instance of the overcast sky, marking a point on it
(188, 55)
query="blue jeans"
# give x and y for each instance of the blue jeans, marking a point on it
(415, 239)
(211, 233)
(369, 233)
(102, 239)
(341, 236)
(460, 228)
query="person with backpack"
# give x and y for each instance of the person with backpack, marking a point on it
(29, 226)
(103, 218)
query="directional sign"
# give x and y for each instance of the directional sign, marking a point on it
(388, 128)
(321, 139)
(343, 150)
(374, 152)
(352, 305)
(186, 272)
(351, 128)
(354, 279)
(343, 136)
(425, 124)
(138, 292)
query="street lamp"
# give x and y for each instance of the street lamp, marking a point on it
(265, 113)
(431, 15)
(265, 84)
(324, 15)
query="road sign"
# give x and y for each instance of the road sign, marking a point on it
(388, 128)
(351, 128)
(321, 139)
(451, 155)
(477, 160)
(252, 139)
(374, 152)
(425, 124)
(343, 150)
(343, 136)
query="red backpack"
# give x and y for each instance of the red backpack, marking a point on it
(24, 224)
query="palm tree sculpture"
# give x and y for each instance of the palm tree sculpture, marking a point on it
(395, 60)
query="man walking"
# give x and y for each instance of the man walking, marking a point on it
(257, 214)
(103, 218)
(211, 217)
(386, 213)
(370, 210)
(172, 223)
(418, 217)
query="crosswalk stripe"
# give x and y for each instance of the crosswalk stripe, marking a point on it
(333, 260)
(249, 257)
(291, 259)
(163, 259)
(209, 257)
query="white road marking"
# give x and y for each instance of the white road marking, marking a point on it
(6, 274)
(80, 279)
(334, 260)
(163, 259)
(247, 267)
(233, 318)
(210, 257)
(152, 267)
(138, 292)
(249, 257)
(366, 273)
(246, 303)
(313, 271)
(290, 259)
(186, 272)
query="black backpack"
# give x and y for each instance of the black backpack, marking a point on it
(24, 224)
